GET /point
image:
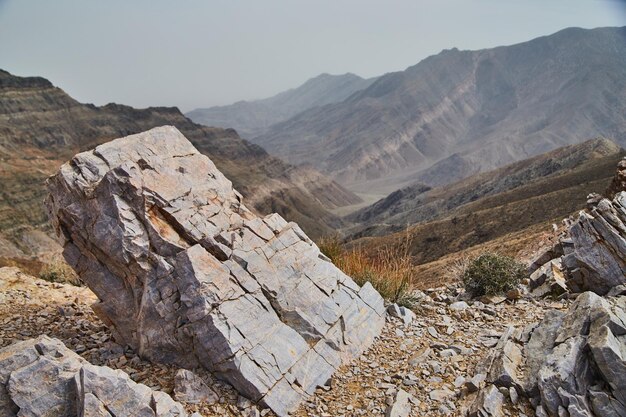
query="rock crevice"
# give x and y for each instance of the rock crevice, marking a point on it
(186, 274)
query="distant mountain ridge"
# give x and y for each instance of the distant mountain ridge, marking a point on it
(41, 127)
(462, 112)
(419, 203)
(252, 118)
(525, 195)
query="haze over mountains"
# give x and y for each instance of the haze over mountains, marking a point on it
(252, 118)
(519, 197)
(41, 127)
(462, 112)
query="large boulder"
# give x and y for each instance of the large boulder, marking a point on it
(186, 274)
(43, 378)
(571, 364)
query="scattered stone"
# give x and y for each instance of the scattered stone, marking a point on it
(492, 299)
(190, 388)
(432, 331)
(513, 395)
(488, 404)
(458, 306)
(406, 315)
(42, 377)
(176, 260)
(555, 365)
(400, 405)
(440, 394)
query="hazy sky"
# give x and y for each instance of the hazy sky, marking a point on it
(192, 53)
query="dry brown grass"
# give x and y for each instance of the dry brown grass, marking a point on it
(388, 268)
(57, 270)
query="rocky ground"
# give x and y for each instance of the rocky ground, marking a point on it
(432, 359)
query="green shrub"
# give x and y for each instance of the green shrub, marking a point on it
(491, 274)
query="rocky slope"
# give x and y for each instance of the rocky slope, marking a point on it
(419, 203)
(544, 353)
(430, 358)
(41, 127)
(462, 112)
(472, 212)
(253, 118)
(40, 375)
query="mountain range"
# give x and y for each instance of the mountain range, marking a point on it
(252, 118)
(462, 112)
(518, 198)
(41, 127)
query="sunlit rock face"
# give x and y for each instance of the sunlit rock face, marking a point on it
(186, 274)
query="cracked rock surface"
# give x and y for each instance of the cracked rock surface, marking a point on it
(598, 260)
(591, 254)
(571, 363)
(41, 377)
(185, 274)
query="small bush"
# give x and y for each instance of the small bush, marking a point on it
(59, 271)
(389, 269)
(491, 274)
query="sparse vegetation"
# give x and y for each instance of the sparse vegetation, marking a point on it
(491, 273)
(389, 269)
(59, 271)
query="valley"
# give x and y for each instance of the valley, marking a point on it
(444, 240)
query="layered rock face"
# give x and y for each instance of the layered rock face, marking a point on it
(591, 256)
(570, 364)
(41, 377)
(186, 274)
(598, 260)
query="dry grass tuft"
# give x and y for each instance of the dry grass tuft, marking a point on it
(389, 268)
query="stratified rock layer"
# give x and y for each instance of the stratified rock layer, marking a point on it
(598, 260)
(570, 364)
(41, 377)
(592, 254)
(186, 274)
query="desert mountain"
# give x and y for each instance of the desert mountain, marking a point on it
(41, 127)
(462, 112)
(418, 203)
(252, 118)
(488, 206)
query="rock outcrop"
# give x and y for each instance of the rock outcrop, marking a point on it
(591, 256)
(186, 274)
(619, 181)
(41, 377)
(570, 364)
(598, 260)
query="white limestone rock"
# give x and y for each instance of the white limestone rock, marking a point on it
(187, 275)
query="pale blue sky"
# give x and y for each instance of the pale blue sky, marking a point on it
(194, 53)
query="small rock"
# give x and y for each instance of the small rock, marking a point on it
(190, 388)
(400, 405)
(458, 306)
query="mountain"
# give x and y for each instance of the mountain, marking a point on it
(418, 203)
(488, 206)
(252, 118)
(42, 127)
(462, 112)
